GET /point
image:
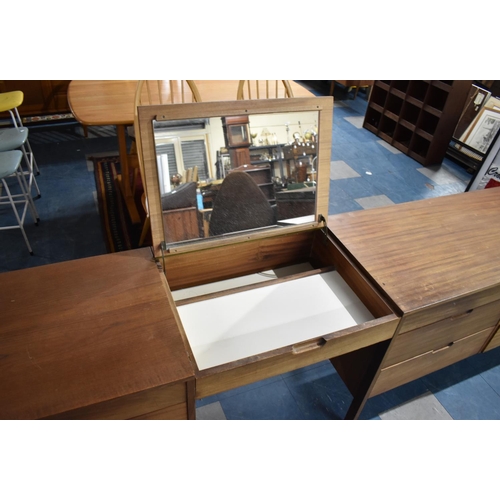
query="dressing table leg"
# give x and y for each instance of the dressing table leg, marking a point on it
(358, 369)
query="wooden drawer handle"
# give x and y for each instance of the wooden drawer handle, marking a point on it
(308, 346)
(458, 316)
(443, 348)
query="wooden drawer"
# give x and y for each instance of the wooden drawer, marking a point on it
(448, 309)
(437, 335)
(240, 335)
(158, 399)
(175, 412)
(401, 373)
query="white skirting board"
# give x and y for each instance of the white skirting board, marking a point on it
(236, 326)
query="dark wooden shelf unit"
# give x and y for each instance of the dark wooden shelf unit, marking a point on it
(262, 176)
(417, 117)
(41, 97)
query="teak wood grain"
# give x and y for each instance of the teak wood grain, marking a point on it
(237, 259)
(428, 252)
(441, 333)
(89, 332)
(396, 375)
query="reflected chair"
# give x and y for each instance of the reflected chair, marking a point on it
(240, 205)
(10, 162)
(16, 137)
(264, 89)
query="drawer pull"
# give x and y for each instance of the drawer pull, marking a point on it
(308, 346)
(458, 316)
(443, 348)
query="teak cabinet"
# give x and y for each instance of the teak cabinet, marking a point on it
(418, 117)
(437, 268)
(92, 339)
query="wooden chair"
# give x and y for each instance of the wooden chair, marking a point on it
(263, 89)
(151, 92)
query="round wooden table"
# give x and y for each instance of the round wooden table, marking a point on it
(111, 102)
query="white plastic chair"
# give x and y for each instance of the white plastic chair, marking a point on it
(10, 162)
(16, 137)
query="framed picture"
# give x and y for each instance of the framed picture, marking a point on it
(483, 130)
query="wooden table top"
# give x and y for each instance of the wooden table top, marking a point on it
(428, 251)
(111, 102)
(82, 332)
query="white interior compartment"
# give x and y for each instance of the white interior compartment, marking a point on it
(250, 279)
(247, 323)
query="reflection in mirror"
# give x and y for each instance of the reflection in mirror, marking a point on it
(475, 101)
(483, 129)
(227, 174)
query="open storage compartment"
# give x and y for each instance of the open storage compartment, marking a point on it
(264, 301)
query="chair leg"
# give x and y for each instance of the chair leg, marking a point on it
(30, 161)
(14, 208)
(26, 193)
(35, 165)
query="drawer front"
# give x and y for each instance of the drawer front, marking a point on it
(449, 309)
(494, 342)
(396, 375)
(127, 407)
(249, 370)
(175, 412)
(438, 335)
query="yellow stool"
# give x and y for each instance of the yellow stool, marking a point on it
(17, 137)
(11, 100)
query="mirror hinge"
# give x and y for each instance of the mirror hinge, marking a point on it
(322, 220)
(164, 249)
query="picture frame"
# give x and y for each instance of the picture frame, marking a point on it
(483, 130)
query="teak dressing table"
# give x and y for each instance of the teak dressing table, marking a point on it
(317, 304)
(416, 287)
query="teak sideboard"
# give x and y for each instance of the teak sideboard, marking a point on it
(100, 338)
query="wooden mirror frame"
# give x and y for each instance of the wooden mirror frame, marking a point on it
(147, 114)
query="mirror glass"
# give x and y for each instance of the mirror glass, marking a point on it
(223, 175)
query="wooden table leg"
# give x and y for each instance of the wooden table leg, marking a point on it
(124, 179)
